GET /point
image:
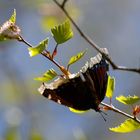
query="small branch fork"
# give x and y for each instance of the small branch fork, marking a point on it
(90, 41)
(48, 56)
(63, 4)
(108, 58)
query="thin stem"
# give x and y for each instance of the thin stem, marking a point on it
(54, 51)
(112, 108)
(68, 67)
(137, 70)
(25, 42)
(94, 45)
(46, 56)
(64, 3)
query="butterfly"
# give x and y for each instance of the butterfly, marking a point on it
(82, 91)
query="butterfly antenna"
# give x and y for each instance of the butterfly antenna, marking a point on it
(101, 113)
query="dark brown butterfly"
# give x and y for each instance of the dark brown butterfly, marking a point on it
(84, 90)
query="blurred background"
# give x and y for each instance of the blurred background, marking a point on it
(24, 113)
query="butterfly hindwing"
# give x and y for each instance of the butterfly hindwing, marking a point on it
(99, 76)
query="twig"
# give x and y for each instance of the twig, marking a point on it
(64, 3)
(54, 51)
(120, 111)
(21, 39)
(94, 45)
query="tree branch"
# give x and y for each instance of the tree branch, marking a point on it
(93, 44)
(110, 107)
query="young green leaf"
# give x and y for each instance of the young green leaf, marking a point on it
(39, 49)
(62, 32)
(75, 58)
(47, 76)
(13, 17)
(128, 100)
(128, 126)
(77, 111)
(110, 87)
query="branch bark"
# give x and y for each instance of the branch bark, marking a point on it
(112, 108)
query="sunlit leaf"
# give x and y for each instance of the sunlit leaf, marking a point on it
(110, 86)
(128, 126)
(13, 17)
(77, 111)
(47, 76)
(39, 49)
(75, 58)
(9, 30)
(62, 32)
(128, 99)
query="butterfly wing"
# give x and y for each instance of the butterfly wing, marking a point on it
(71, 94)
(99, 76)
(81, 92)
(96, 75)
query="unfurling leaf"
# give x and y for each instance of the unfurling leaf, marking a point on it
(9, 31)
(128, 100)
(62, 32)
(75, 58)
(128, 126)
(39, 49)
(77, 111)
(13, 17)
(110, 87)
(47, 76)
